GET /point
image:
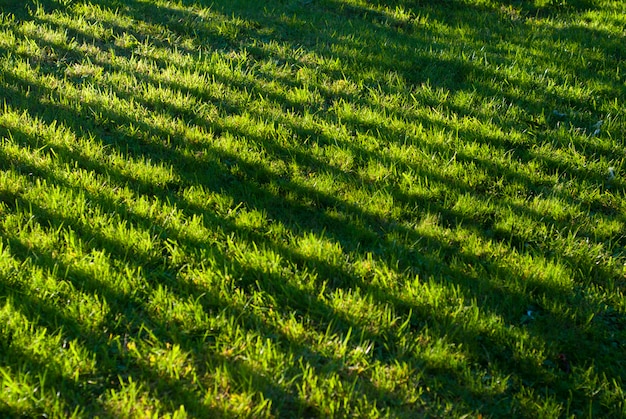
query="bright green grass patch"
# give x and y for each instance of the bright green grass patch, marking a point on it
(312, 208)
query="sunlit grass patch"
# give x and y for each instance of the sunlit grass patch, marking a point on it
(326, 208)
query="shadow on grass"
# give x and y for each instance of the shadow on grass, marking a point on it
(303, 210)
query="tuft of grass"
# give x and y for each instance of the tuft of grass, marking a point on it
(319, 208)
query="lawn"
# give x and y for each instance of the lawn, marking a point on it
(313, 208)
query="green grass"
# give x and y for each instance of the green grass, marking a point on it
(320, 208)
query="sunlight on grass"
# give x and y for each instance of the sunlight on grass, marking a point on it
(319, 208)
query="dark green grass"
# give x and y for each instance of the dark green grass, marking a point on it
(312, 208)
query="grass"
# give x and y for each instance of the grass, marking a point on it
(312, 208)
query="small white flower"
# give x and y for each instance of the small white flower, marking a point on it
(611, 173)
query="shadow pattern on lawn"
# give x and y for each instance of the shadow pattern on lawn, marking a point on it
(304, 210)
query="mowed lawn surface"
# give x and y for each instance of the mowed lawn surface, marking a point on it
(312, 208)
